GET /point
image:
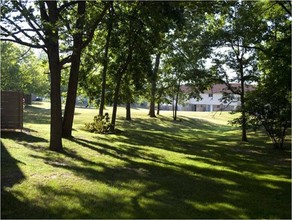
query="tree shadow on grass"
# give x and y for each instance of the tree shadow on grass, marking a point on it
(21, 136)
(10, 175)
(154, 187)
(10, 172)
(171, 191)
(176, 190)
(215, 182)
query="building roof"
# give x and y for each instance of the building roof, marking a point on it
(220, 88)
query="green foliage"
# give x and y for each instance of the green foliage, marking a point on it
(100, 125)
(22, 70)
(272, 110)
(270, 105)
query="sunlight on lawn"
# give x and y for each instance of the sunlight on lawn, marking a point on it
(155, 168)
(229, 209)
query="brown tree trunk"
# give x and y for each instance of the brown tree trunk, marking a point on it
(152, 109)
(153, 85)
(105, 65)
(242, 97)
(55, 73)
(116, 98)
(120, 74)
(74, 72)
(175, 106)
(56, 108)
(71, 96)
(128, 111)
(158, 108)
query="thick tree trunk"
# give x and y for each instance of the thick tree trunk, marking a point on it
(74, 72)
(71, 96)
(128, 111)
(55, 72)
(56, 108)
(152, 108)
(153, 86)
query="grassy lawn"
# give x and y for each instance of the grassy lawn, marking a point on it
(154, 168)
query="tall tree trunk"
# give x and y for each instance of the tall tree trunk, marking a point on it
(176, 102)
(158, 108)
(128, 111)
(71, 96)
(153, 79)
(105, 65)
(74, 72)
(56, 108)
(152, 108)
(55, 72)
(116, 99)
(120, 74)
(244, 127)
(173, 105)
(242, 97)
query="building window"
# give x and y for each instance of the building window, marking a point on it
(210, 94)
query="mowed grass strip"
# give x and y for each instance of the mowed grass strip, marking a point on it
(195, 167)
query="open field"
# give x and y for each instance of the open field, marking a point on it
(196, 167)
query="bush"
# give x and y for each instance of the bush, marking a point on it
(100, 125)
(270, 110)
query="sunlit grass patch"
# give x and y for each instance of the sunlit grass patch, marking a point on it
(196, 167)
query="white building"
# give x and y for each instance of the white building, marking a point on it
(211, 99)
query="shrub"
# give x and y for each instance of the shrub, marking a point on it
(272, 111)
(100, 125)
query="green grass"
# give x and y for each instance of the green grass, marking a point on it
(196, 167)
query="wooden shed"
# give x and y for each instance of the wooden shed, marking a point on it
(11, 110)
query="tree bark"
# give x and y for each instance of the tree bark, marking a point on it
(105, 65)
(116, 98)
(71, 96)
(121, 71)
(158, 108)
(176, 101)
(52, 44)
(153, 79)
(128, 111)
(56, 108)
(242, 97)
(173, 107)
(74, 72)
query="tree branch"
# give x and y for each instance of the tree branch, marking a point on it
(25, 43)
(66, 5)
(18, 40)
(65, 60)
(30, 19)
(98, 20)
(284, 7)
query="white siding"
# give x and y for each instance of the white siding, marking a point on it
(206, 100)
